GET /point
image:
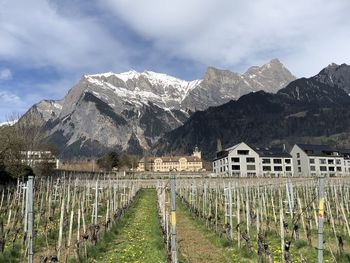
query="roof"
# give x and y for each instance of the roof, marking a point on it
(271, 152)
(172, 159)
(221, 154)
(317, 149)
(261, 151)
(345, 153)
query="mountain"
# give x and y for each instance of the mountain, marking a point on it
(8, 123)
(307, 107)
(221, 86)
(131, 111)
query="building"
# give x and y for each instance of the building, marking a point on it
(316, 160)
(244, 160)
(32, 158)
(191, 163)
(346, 155)
(275, 162)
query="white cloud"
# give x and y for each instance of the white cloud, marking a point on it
(5, 74)
(34, 33)
(7, 97)
(306, 35)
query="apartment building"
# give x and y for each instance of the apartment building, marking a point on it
(275, 162)
(346, 155)
(247, 161)
(316, 160)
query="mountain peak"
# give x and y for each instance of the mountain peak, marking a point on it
(276, 61)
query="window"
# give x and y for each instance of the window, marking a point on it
(322, 161)
(312, 160)
(288, 161)
(266, 161)
(288, 168)
(312, 168)
(299, 169)
(277, 168)
(338, 169)
(235, 159)
(277, 161)
(330, 161)
(298, 162)
(338, 161)
(298, 155)
(236, 167)
(243, 152)
(266, 168)
(331, 169)
(323, 168)
(250, 167)
(250, 160)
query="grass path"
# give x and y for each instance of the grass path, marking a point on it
(195, 243)
(138, 238)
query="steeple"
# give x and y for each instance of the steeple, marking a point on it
(197, 153)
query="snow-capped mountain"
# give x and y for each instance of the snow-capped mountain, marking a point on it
(8, 123)
(130, 111)
(140, 88)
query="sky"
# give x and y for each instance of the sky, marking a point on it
(47, 45)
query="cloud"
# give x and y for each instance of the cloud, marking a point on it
(5, 74)
(36, 33)
(7, 97)
(306, 35)
(50, 43)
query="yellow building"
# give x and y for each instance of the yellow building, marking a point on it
(191, 163)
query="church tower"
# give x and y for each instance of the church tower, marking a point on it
(197, 153)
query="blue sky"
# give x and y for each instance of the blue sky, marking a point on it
(46, 45)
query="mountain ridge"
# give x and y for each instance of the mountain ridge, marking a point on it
(131, 111)
(306, 107)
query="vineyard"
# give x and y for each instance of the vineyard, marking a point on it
(103, 218)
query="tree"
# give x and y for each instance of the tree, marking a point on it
(109, 161)
(114, 159)
(25, 135)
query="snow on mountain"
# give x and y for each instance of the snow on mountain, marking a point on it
(8, 123)
(163, 90)
(130, 111)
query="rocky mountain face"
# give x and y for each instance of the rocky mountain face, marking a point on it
(307, 107)
(131, 111)
(221, 86)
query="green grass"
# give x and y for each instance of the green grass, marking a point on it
(135, 238)
(11, 255)
(298, 247)
(232, 252)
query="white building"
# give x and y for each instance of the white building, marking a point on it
(346, 155)
(316, 160)
(275, 162)
(244, 160)
(32, 158)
